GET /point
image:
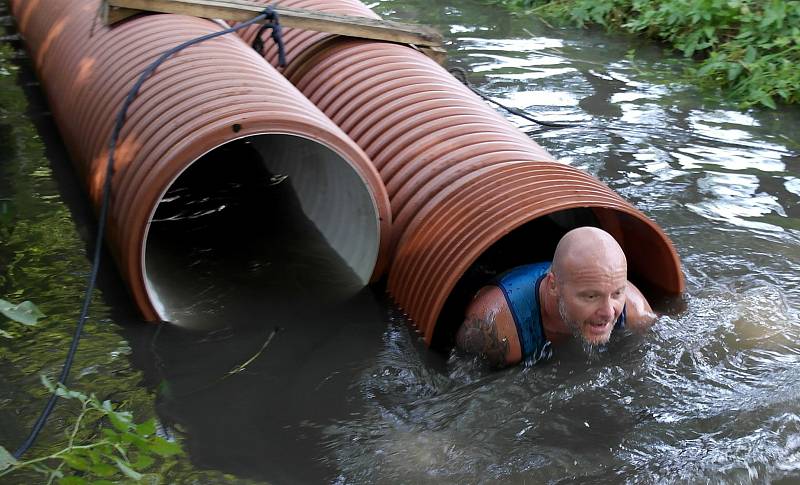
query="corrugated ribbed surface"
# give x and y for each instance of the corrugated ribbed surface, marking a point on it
(188, 108)
(459, 176)
(298, 41)
(456, 226)
(420, 126)
(430, 137)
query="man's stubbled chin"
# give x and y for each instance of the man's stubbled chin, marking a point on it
(590, 334)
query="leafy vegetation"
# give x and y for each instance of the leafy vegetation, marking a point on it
(103, 446)
(750, 48)
(25, 313)
(43, 259)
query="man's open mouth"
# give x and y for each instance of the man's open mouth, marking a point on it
(598, 327)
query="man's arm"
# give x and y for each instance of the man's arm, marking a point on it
(478, 335)
(489, 330)
(639, 314)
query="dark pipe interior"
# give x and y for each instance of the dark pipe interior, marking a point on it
(230, 242)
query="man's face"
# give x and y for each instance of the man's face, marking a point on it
(590, 300)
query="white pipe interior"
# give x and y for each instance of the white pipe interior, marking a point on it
(331, 194)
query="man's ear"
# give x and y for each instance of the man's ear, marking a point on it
(550, 282)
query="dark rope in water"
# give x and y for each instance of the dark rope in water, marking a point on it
(120, 120)
(461, 74)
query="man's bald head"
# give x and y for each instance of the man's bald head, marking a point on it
(584, 248)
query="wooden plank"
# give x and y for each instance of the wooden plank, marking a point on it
(241, 10)
(112, 15)
(438, 54)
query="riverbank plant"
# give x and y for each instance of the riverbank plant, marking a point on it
(103, 446)
(749, 48)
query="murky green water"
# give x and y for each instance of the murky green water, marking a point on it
(712, 394)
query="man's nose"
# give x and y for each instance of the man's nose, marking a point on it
(606, 310)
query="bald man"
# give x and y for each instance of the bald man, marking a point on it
(583, 293)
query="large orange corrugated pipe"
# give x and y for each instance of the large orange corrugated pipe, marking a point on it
(465, 185)
(203, 100)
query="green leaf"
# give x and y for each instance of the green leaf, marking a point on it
(162, 447)
(26, 312)
(119, 421)
(7, 460)
(76, 462)
(103, 470)
(61, 391)
(767, 101)
(72, 481)
(143, 461)
(108, 406)
(111, 434)
(93, 455)
(734, 69)
(136, 440)
(5, 334)
(750, 54)
(147, 428)
(47, 383)
(66, 393)
(126, 470)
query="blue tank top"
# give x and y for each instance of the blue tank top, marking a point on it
(520, 286)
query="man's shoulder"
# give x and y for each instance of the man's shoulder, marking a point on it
(488, 329)
(638, 310)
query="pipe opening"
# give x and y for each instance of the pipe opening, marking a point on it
(650, 264)
(530, 243)
(259, 226)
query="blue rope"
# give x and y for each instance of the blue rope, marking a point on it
(40, 422)
(277, 36)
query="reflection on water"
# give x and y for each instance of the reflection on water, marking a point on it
(347, 393)
(693, 400)
(242, 396)
(735, 198)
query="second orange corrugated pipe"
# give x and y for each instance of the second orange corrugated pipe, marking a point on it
(459, 176)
